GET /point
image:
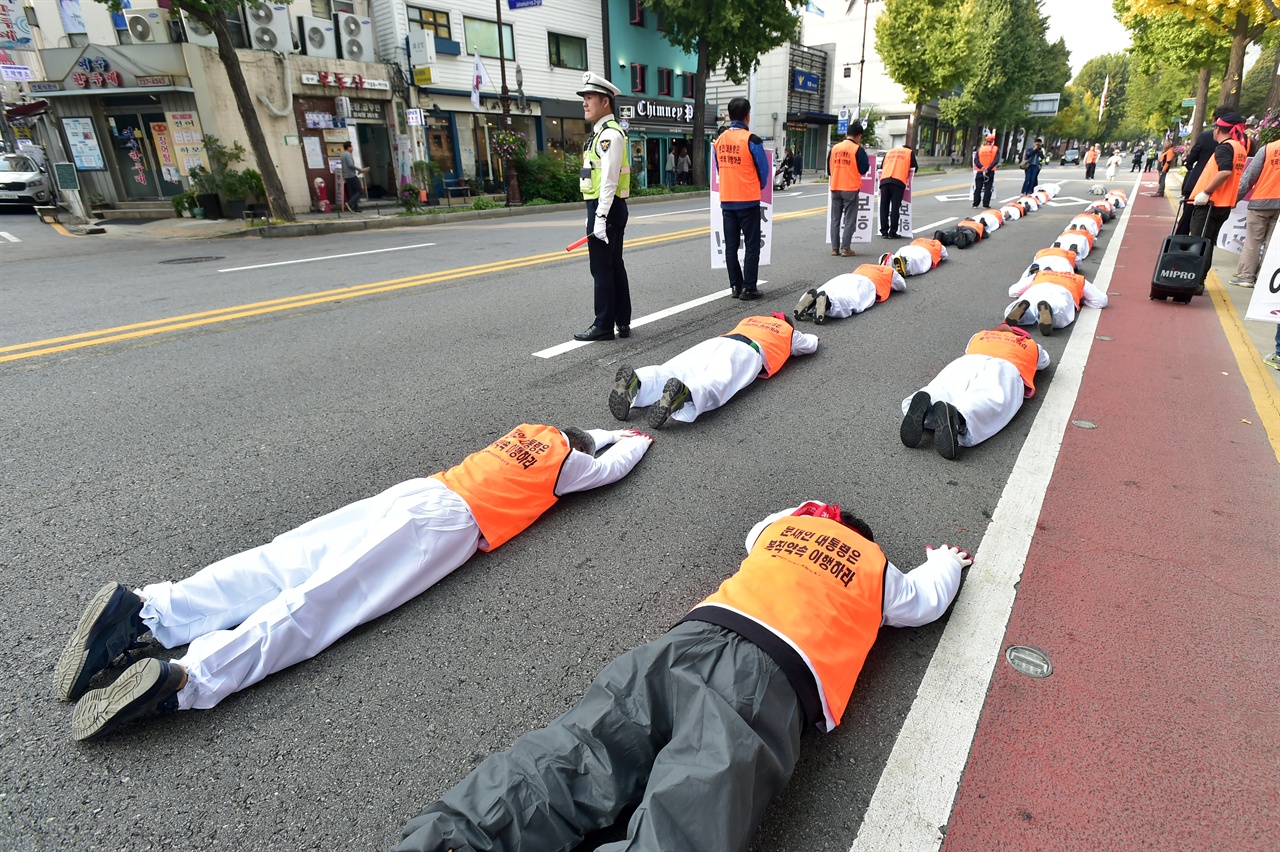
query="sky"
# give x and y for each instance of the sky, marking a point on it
(1090, 28)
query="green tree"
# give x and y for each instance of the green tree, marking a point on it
(730, 35)
(213, 14)
(1257, 83)
(923, 46)
(1110, 71)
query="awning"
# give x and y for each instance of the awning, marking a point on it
(812, 117)
(137, 90)
(26, 110)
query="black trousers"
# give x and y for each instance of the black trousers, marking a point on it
(891, 192)
(1089, 169)
(613, 290)
(1208, 221)
(983, 183)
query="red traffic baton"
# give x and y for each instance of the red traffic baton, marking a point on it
(577, 244)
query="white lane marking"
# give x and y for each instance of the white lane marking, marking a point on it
(918, 787)
(813, 195)
(326, 257)
(932, 225)
(10, 237)
(671, 213)
(569, 346)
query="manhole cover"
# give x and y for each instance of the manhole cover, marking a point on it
(1084, 424)
(1103, 337)
(1030, 661)
(192, 259)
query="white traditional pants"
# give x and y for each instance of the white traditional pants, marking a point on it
(919, 261)
(1060, 303)
(714, 371)
(849, 294)
(255, 613)
(987, 391)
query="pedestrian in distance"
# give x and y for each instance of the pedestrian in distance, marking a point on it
(846, 164)
(258, 612)
(1113, 164)
(1152, 153)
(352, 186)
(1262, 176)
(683, 166)
(1057, 296)
(976, 395)
(706, 376)
(670, 175)
(1167, 157)
(744, 172)
(1034, 158)
(701, 728)
(986, 159)
(789, 165)
(1137, 160)
(895, 173)
(797, 164)
(1090, 162)
(605, 181)
(1214, 193)
(853, 292)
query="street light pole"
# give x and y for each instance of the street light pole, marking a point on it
(508, 165)
(862, 64)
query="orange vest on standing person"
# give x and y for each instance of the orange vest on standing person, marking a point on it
(897, 165)
(1091, 156)
(1069, 281)
(1012, 346)
(819, 586)
(1268, 183)
(772, 337)
(932, 246)
(880, 275)
(1225, 195)
(988, 155)
(509, 483)
(844, 167)
(739, 180)
(1166, 159)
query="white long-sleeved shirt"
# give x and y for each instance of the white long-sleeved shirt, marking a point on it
(912, 599)
(610, 163)
(1092, 296)
(581, 472)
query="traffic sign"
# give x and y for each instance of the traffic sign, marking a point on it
(1189, 102)
(842, 123)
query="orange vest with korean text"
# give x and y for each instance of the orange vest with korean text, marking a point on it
(1018, 349)
(1084, 232)
(1069, 281)
(897, 165)
(739, 180)
(973, 224)
(509, 483)
(1225, 195)
(932, 246)
(1268, 184)
(772, 336)
(820, 586)
(1091, 156)
(988, 154)
(844, 167)
(1054, 251)
(1089, 215)
(880, 275)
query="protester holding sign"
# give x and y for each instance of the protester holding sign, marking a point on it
(895, 175)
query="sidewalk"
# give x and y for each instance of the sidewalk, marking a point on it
(1151, 585)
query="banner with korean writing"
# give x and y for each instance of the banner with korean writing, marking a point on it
(82, 140)
(164, 152)
(718, 260)
(188, 141)
(865, 213)
(1264, 304)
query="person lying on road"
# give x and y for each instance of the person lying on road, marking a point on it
(1057, 296)
(851, 293)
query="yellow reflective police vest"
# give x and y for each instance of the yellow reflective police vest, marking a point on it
(591, 175)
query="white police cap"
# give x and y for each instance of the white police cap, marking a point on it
(592, 82)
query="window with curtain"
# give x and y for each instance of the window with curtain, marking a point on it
(567, 51)
(482, 36)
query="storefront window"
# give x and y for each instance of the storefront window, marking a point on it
(565, 136)
(440, 144)
(482, 36)
(487, 164)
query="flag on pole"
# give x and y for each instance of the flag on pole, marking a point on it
(1102, 104)
(812, 8)
(479, 80)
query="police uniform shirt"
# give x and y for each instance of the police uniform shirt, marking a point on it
(610, 146)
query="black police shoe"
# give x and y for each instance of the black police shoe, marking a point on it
(748, 295)
(595, 333)
(109, 627)
(624, 331)
(912, 429)
(946, 430)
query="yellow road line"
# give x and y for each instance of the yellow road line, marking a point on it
(1265, 394)
(61, 230)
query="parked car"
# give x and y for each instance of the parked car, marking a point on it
(22, 181)
(1071, 157)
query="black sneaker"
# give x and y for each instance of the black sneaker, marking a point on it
(109, 627)
(946, 430)
(1045, 316)
(748, 295)
(912, 429)
(820, 309)
(623, 393)
(804, 307)
(735, 292)
(147, 688)
(1016, 312)
(674, 396)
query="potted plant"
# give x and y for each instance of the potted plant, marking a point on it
(205, 188)
(183, 203)
(239, 187)
(428, 175)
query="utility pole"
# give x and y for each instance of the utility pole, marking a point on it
(508, 165)
(862, 64)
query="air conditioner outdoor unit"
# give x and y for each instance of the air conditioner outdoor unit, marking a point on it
(198, 33)
(269, 27)
(318, 36)
(355, 37)
(148, 27)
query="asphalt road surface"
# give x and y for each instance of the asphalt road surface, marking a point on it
(161, 415)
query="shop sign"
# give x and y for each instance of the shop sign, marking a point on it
(155, 81)
(367, 110)
(333, 80)
(188, 140)
(82, 139)
(318, 120)
(95, 73)
(15, 32)
(522, 4)
(671, 111)
(414, 116)
(15, 73)
(45, 87)
(804, 81)
(424, 76)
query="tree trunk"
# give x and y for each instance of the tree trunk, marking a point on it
(1202, 103)
(1231, 80)
(699, 129)
(1273, 93)
(913, 130)
(276, 199)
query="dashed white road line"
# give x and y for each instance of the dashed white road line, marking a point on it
(10, 237)
(670, 213)
(325, 257)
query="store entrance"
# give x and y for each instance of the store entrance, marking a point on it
(133, 148)
(375, 152)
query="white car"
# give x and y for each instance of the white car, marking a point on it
(22, 182)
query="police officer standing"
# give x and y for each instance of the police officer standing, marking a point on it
(744, 171)
(605, 181)
(985, 160)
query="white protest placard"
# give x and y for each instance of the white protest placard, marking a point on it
(866, 211)
(1231, 237)
(718, 260)
(1264, 305)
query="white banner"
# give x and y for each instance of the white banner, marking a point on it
(1264, 306)
(1231, 237)
(867, 211)
(717, 220)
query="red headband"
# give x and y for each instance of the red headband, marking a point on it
(830, 511)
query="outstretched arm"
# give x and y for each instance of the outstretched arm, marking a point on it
(803, 343)
(1092, 296)
(920, 597)
(582, 472)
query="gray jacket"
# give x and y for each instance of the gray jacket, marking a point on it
(1251, 174)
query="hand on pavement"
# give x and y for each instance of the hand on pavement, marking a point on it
(632, 433)
(599, 232)
(961, 556)
(1202, 199)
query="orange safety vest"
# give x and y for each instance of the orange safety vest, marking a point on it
(1225, 195)
(1268, 184)
(975, 225)
(1018, 349)
(1088, 235)
(897, 165)
(509, 483)
(1055, 251)
(1088, 215)
(844, 167)
(880, 275)
(1091, 156)
(819, 586)
(1069, 281)
(1166, 159)
(933, 246)
(739, 180)
(988, 154)
(772, 337)
(1119, 192)
(996, 213)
